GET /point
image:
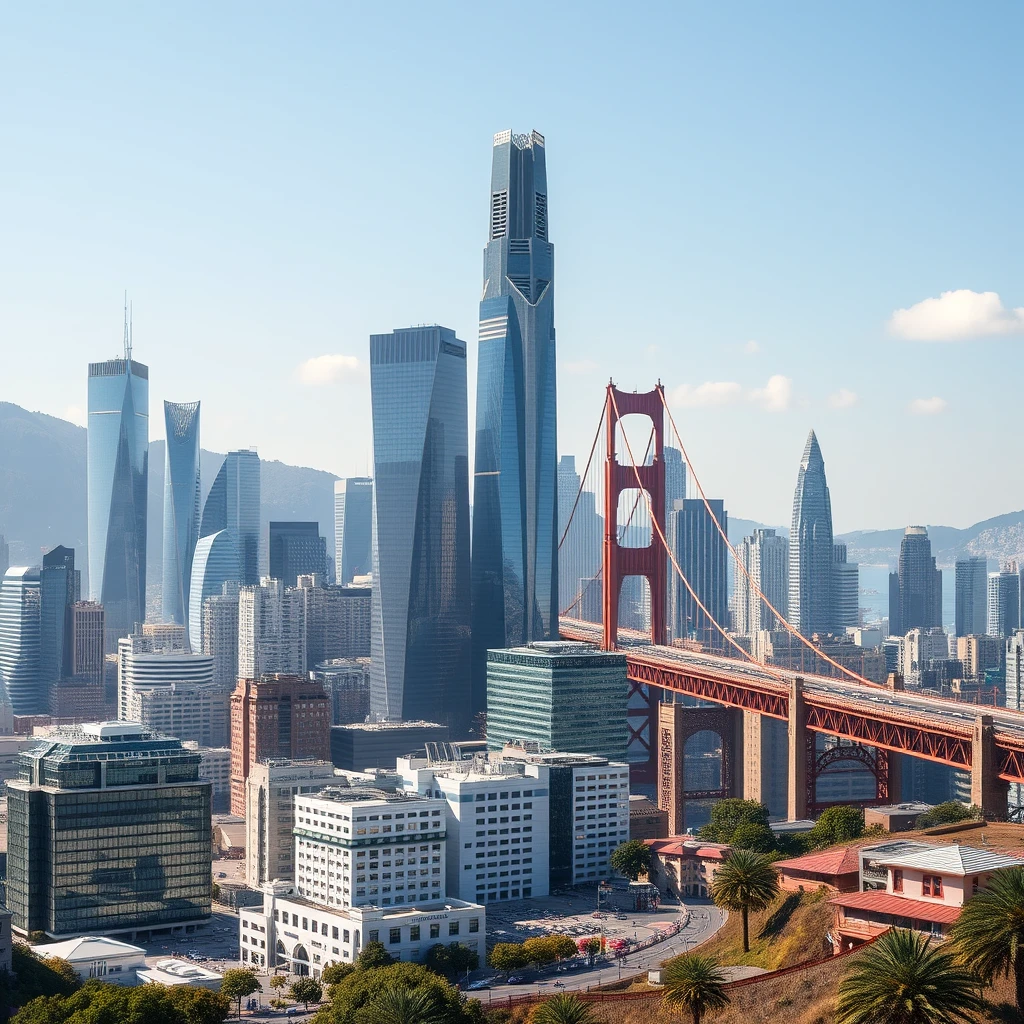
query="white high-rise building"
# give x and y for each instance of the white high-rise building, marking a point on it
(765, 555)
(369, 867)
(497, 822)
(220, 635)
(271, 630)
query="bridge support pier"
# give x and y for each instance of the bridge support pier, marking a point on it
(797, 803)
(988, 791)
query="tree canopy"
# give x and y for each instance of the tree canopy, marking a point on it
(728, 815)
(374, 954)
(746, 881)
(238, 983)
(632, 859)
(947, 813)
(695, 983)
(840, 824)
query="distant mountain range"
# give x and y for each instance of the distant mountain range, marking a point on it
(43, 490)
(43, 502)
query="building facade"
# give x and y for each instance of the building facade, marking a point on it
(971, 601)
(220, 635)
(216, 564)
(270, 793)
(276, 716)
(109, 831)
(181, 506)
(19, 641)
(346, 681)
(765, 556)
(915, 589)
(420, 613)
(337, 620)
(271, 630)
(703, 557)
(296, 549)
(845, 590)
(559, 695)
(811, 546)
(59, 589)
(369, 867)
(353, 527)
(1004, 601)
(515, 497)
(118, 483)
(234, 504)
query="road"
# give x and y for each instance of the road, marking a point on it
(705, 920)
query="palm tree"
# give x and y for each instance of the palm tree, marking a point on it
(565, 1008)
(395, 1004)
(695, 982)
(746, 881)
(902, 979)
(989, 935)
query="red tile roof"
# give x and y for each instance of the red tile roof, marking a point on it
(843, 860)
(899, 906)
(678, 848)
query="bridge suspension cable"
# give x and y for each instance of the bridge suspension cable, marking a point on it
(786, 624)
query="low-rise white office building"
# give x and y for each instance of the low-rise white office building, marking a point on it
(369, 867)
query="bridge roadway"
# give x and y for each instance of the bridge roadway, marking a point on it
(931, 727)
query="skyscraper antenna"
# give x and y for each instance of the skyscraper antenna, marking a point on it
(127, 331)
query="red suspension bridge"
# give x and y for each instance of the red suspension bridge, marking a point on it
(870, 721)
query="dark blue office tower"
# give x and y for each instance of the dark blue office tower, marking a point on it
(515, 546)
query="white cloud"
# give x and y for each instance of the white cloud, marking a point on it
(844, 398)
(711, 392)
(957, 316)
(776, 395)
(928, 406)
(581, 366)
(326, 369)
(752, 348)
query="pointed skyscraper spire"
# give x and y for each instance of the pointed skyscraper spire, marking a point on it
(810, 546)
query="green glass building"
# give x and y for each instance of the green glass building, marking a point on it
(108, 831)
(569, 697)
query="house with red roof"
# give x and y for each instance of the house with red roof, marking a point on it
(925, 888)
(838, 869)
(683, 866)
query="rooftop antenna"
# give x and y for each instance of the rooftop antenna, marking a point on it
(127, 330)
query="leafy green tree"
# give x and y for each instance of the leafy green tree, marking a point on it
(237, 983)
(41, 976)
(745, 882)
(334, 973)
(728, 815)
(564, 1008)
(902, 979)
(306, 991)
(989, 934)
(507, 956)
(539, 951)
(695, 983)
(948, 813)
(563, 946)
(374, 954)
(839, 824)
(280, 981)
(632, 859)
(199, 1005)
(215, 893)
(754, 836)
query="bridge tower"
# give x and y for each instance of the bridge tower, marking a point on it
(619, 561)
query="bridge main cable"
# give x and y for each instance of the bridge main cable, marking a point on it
(788, 626)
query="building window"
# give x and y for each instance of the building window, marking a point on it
(897, 880)
(931, 885)
(474, 924)
(414, 933)
(453, 927)
(395, 936)
(435, 931)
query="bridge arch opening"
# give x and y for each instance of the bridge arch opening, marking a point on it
(634, 520)
(637, 427)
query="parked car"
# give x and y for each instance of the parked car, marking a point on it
(516, 979)
(292, 1011)
(478, 985)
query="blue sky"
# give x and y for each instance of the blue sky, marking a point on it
(741, 196)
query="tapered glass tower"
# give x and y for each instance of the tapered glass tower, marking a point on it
(810, 546)
(420, 606)
(118, 478)
(234, 504)
(515, 546)
(181, 506)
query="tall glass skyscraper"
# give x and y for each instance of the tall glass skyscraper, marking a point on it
(118, 478)
(915, 589)
(59, 590)
(515, 518)
(216, 562)
(353, 519)
(296, 549)
(19, 641)
(234, 504)
(181, 506)
(810, 546)
(420, 612)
